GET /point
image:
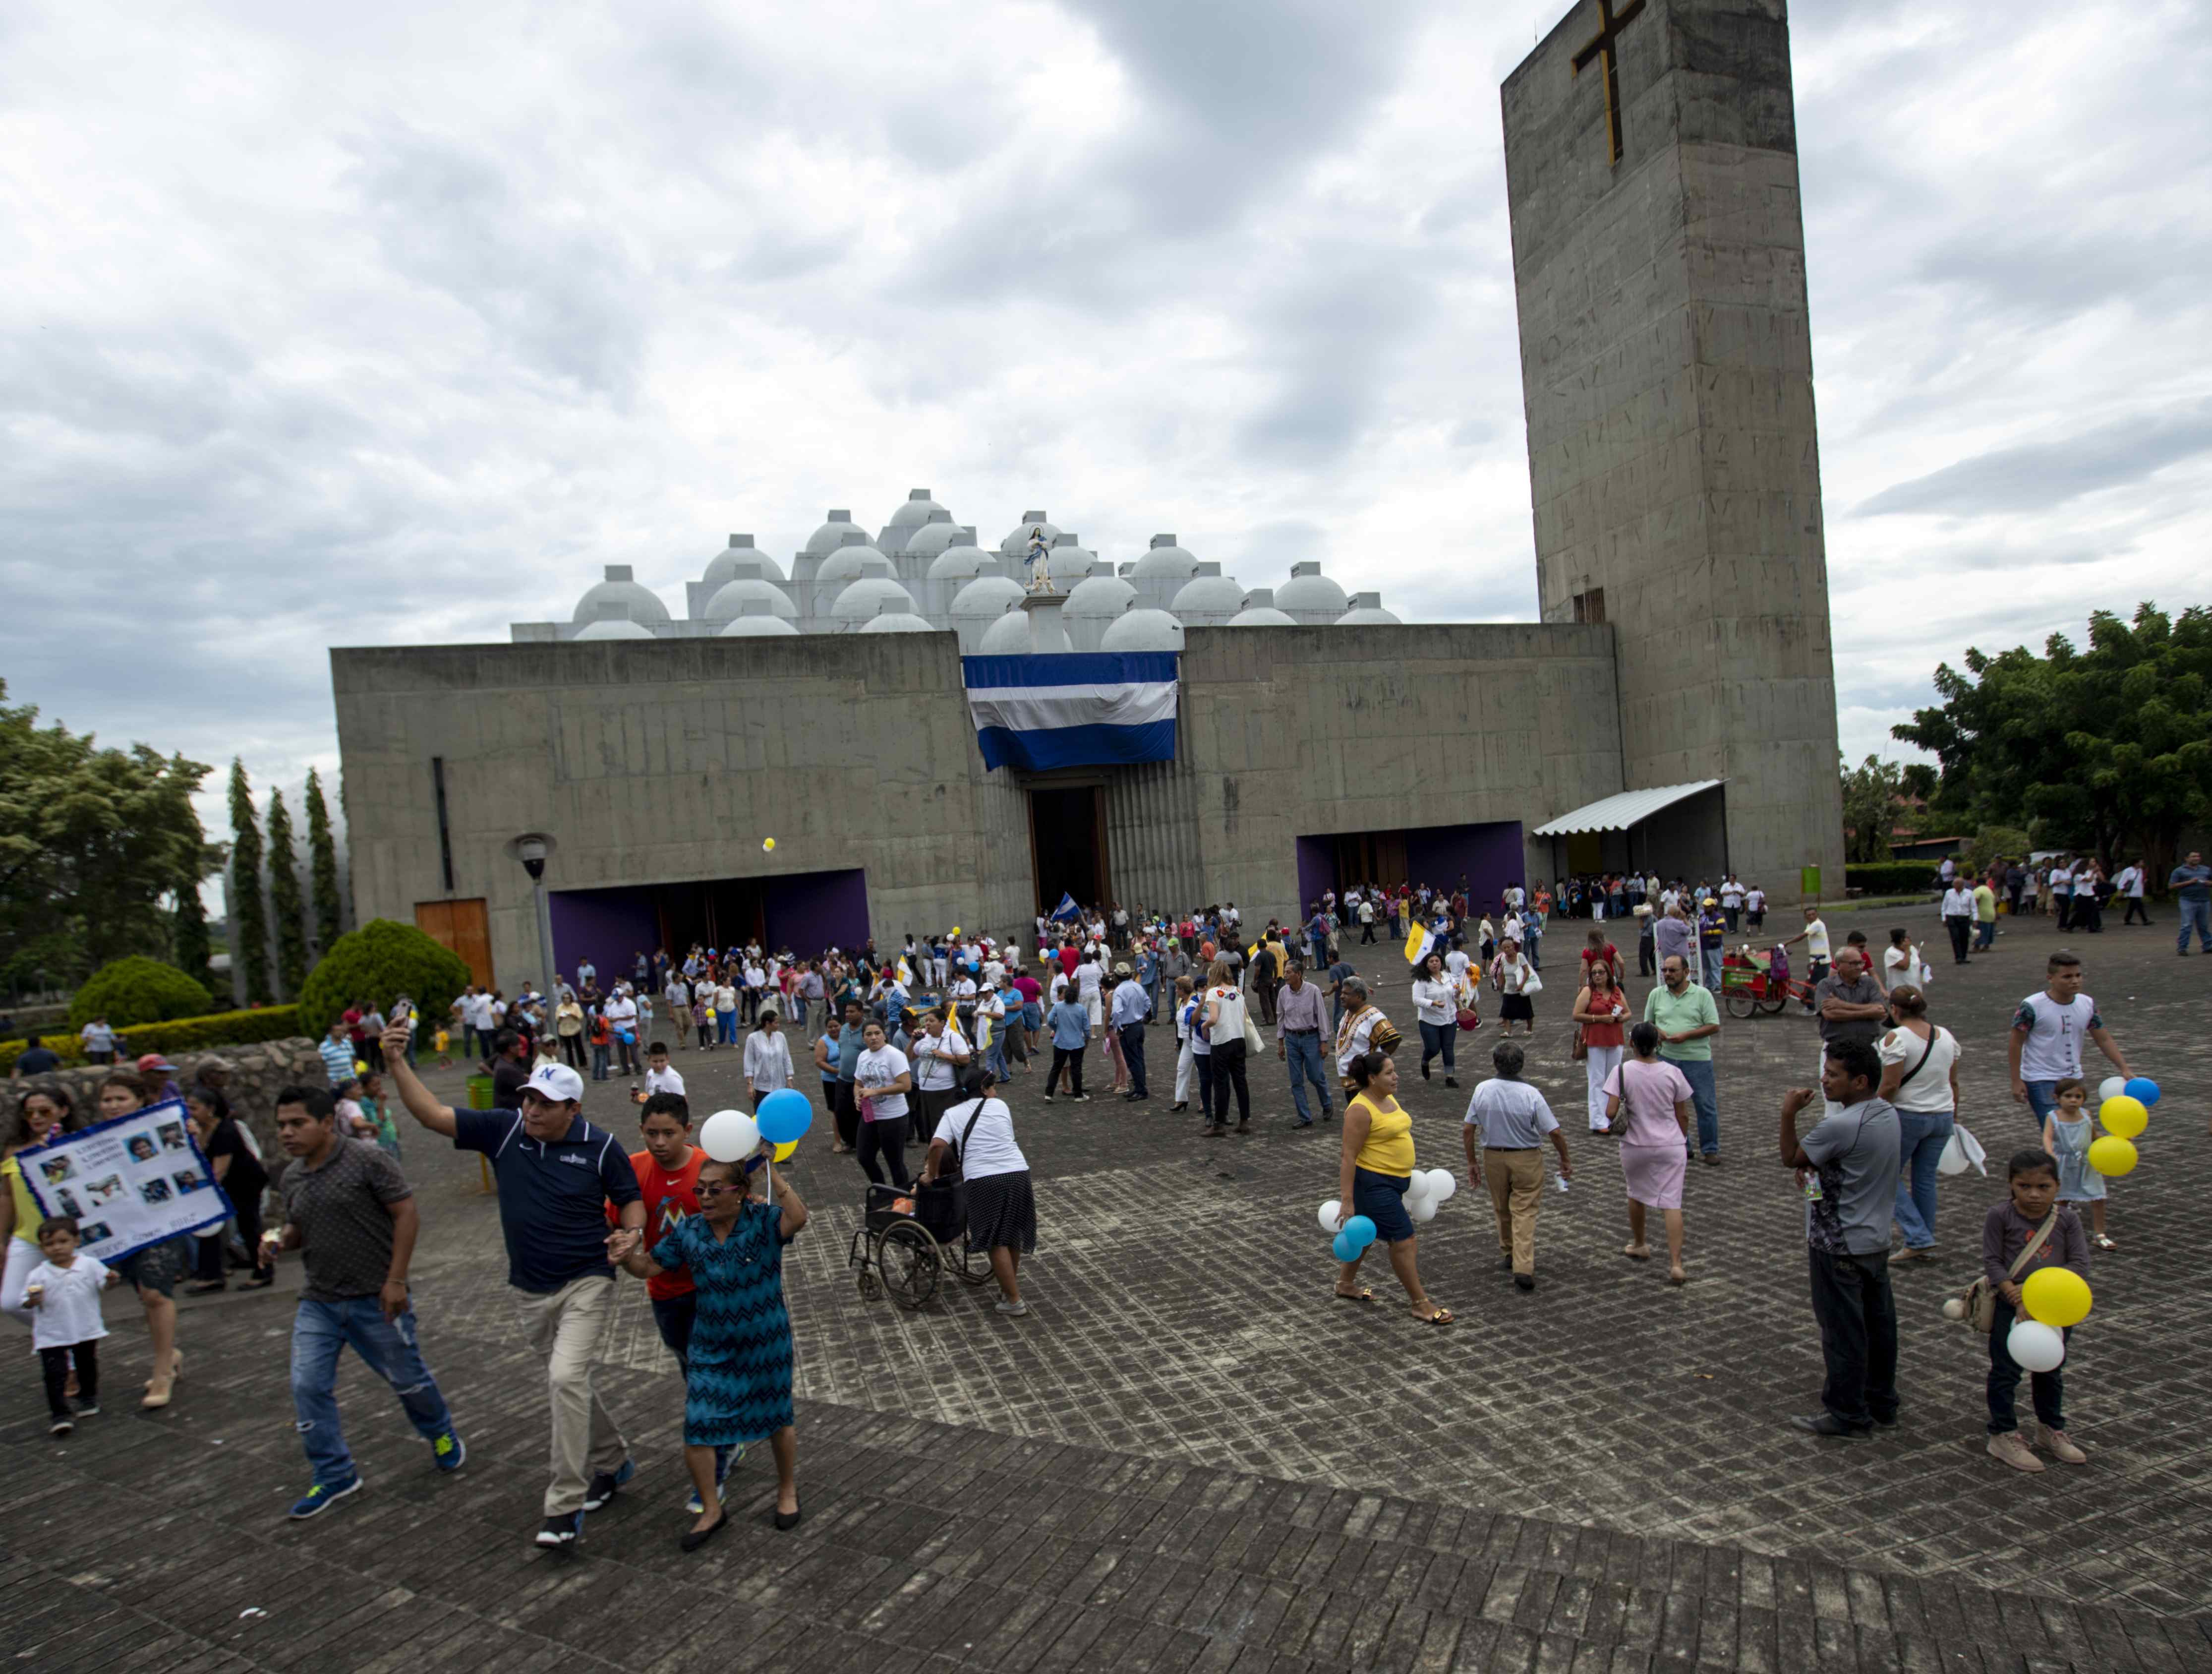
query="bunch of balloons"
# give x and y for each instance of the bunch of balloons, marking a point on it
(1426, 1192)
(2124, 1113)
(2052, 1298)
(785, 1116)
(1429, 1190)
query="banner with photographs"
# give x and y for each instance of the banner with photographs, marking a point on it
(130, 1182)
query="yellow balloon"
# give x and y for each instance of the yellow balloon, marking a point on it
(360, 1066)
(2124, 1116)
(783, 1151)
(2112, 1156)
(767, 844)
(2056, 1295)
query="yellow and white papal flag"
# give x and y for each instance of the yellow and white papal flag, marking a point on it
(1420, 944)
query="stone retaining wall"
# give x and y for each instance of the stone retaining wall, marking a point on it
(255, 1074)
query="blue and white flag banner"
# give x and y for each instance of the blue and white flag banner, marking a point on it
(1067, 912)
(1080, 709)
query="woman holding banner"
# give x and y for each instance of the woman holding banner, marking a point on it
(154, 1271)
(43, 1112)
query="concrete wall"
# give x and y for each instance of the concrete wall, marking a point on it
(1668, 377)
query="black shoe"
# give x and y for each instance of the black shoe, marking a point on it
(1451, 1080)
(1889, 1423)
(1524, 1282)
(1211, 1131)
(561, 1533)
(789, 1520)
(1505, 1263)
(693, 1539)
(1177, 1110)
(206, 1287)
(1425, 1069)
(1828, 1424)
(603, 1485)
(1712, 1160)
(259, 1282)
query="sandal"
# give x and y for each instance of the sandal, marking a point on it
(1441, 1316)
(2104, 1243)
(1637, 1252)
(1362, 1294)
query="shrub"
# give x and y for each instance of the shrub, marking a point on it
(380, 961)
(1891, 877)
(182, 1034)
(139, 990)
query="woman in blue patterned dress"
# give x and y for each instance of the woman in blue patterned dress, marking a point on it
(738, 1385)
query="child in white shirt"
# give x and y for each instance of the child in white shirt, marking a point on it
(63, 1294)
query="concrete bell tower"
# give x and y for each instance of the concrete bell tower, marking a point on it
(1666, 369)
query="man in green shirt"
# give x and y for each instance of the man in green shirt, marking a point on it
(1687, 1019)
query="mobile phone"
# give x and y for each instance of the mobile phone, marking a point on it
(401, 1012)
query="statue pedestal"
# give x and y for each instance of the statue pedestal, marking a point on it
(1048, 633)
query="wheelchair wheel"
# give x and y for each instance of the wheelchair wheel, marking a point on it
(870, 1289)
(1741, 1002)
(910, 1262)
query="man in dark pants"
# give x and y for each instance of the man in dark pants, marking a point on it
(1132, 1006)
(849, 1048)
(1847, 1166)
(1958, 917)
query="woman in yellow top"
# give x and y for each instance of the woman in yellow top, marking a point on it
(1377, 1164)
(42, 1114)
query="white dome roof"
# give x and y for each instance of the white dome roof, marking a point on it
(1166, 560)
(1009, 636)
(831, 534)
(898, 622)
(1366, 611)
(614, 627)
(1142, 630)
(868, 597)
(1209, 595)
(963, 563)
(730, 598)
(1262, 616)
(851, 562)
(740, 559)
(916, 510)
(1098, 595)
(620, 599)
(1019, 542)
(1308, 589)
(935, 537)
(756, 627)
(988, 595)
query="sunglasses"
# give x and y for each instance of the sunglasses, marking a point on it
(716, 1191)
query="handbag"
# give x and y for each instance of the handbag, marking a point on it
(1961, 1151)
(1535, 982)
(1978, 1305)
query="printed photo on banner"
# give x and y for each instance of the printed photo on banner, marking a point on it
(142, 1178)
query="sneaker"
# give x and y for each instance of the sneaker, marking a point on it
(1012, 1309)
(605, 1484)
(561, 1531)
(1047, 1099)
(449, 1451)
(88, 1409)
(321, 1497)
(2008, 1447)
(61, 1427)
(2053, 1442)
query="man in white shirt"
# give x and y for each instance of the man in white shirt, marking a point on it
(658, 1077)
(1958, 917)
(1814, 935)
(2130, 884)
(1732, 902)
(621, 1013)
(2061, 875)
(1088, 977)
(2047, 1032)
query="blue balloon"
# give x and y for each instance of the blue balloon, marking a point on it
(1361, 1229)
(1344, 1248)
(784, 1116)
(2142, 1087)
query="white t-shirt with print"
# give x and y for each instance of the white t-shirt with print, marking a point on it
(884, 1063)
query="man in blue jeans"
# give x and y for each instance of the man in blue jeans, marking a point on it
(348, 1207)
(1687, 1019)
(2191, 882)
(1298, 1041)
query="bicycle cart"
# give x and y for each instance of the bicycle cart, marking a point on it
(909, 1238)
(1748, 988)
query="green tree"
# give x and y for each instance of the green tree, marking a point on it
(139, 990)
(380, 962)
(1871, 808)
(2108, 749)
(284, 899)
(249, 919)
(93, 842)
(190, 936)
(322, 867)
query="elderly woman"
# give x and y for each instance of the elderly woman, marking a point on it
(1600, 1008)
(977, 1138)
(737, 1365)
(1920, 1079)
(1649, 1102)
(1516, 981)
(1374, 1166)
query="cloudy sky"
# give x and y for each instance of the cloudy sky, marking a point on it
(393, 325)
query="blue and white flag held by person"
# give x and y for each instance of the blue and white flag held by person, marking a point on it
(1067, 912)
(1081, 708)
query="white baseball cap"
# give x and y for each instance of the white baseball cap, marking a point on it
(556, 1082)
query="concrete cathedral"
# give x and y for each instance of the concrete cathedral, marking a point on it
(797, 759)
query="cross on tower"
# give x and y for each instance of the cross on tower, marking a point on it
(1600, 46)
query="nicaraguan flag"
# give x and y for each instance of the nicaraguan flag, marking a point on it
(1081, 708)
(1067, 912)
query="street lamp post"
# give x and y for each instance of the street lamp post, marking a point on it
(533, 850)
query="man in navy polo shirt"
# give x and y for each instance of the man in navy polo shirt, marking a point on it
(556, 1173)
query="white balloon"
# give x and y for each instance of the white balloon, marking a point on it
(729, 1136)
(2035, 1346)
(1443, 1183)
(2113, 1087)
(1420, 1209)
(1419, 1188)
(1330, 1212)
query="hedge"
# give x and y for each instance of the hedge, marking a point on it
(380, 962)
(1891, 877)
(181, 1034)
(137, 990)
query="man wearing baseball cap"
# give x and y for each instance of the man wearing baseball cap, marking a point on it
(1132, 1006)
(556, 1172)
(160, 1075)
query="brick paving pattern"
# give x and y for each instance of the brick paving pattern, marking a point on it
(1189, 1455)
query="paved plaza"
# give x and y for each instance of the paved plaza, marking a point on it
(1190, 1455)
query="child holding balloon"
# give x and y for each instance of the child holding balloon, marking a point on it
(2026, 1297)
(2066, 1134)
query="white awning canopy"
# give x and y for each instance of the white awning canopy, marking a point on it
(1630, 808)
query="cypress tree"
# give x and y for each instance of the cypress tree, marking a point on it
(249, 919)
(322, 867)
(284, 899)
(191, 937)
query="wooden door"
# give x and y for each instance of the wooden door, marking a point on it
(463, 926)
